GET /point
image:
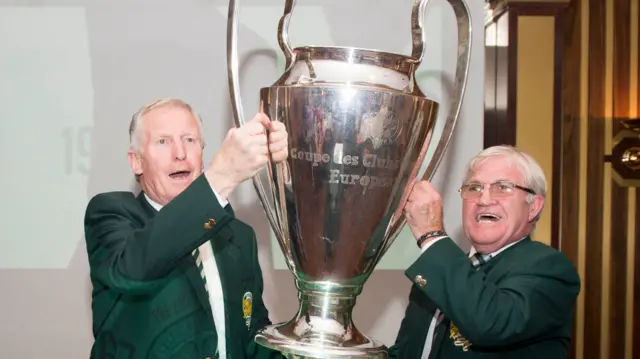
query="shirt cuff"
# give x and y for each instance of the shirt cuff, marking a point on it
(431, 242)
(223, 202)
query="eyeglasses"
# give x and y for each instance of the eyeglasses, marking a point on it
(499, 189)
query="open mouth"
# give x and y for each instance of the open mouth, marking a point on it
(487, 218)
(178, 175)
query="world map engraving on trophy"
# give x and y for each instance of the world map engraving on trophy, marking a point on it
(347, 163)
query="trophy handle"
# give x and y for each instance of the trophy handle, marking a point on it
(463, 20)
(418, 38)
(283, 32)
(236, 105)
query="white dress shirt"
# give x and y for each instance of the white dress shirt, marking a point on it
(437, 316)
(214, 285)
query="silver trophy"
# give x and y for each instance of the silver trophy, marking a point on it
(359, 128)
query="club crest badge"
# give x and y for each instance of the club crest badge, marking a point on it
(247, 308)
(458, 339)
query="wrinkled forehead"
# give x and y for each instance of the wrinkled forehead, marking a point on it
(170, 119)
(495, 169)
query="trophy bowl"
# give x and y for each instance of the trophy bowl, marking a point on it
(359, 129)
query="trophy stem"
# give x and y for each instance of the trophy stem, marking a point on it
(323, 327)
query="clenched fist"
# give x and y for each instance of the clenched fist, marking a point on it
(278, 141)
(423, 209)
(244, 151)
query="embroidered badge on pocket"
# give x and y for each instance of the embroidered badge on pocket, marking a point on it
(247, 308)
(458, 339)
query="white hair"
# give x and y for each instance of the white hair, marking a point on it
(135, 127)
(529, 168)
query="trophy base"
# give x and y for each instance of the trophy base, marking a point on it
(323, 327)
(292, 347)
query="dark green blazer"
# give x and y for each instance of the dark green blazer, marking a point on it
(149, 300)
(519, 305)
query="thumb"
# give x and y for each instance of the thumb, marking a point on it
(263, 119)
(231, 133)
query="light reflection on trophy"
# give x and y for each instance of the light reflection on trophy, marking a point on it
(359, 129)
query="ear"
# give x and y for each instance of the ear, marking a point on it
(537, 203)
(135, 160)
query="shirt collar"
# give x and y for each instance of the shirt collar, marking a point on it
(472, 251)
(157, 206)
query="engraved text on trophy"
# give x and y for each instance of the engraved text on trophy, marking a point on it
(349, 151)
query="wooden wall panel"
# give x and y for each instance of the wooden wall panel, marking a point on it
(536, 106)
(595, 218)
(619, 194)
(490, 80)
(510, 92)
(592, 281)
(635, 97)
(600, 88)
(567, 140)
(500, 37)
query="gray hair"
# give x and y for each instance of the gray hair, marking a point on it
(135, 127)
(529, 168)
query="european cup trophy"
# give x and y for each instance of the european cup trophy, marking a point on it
(359, 129)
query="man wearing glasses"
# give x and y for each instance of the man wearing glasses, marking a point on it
(510, 297)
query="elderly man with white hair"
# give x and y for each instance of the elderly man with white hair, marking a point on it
(510, 297)
(174, 273)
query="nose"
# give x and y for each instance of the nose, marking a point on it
(485, 198)
(179, 151)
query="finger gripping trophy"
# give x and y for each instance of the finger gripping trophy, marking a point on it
(359, 128)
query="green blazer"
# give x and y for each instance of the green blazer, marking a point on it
(518, 305)
(148, 298)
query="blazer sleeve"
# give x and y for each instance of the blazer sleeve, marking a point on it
(130, 254)
(531, 301)
(413, 328)
(260, 315)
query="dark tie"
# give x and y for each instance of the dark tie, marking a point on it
(479, 259)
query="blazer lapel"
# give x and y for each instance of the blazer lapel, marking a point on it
(192, 272)
(227, 254)
(220, 240)
(439, 336)
(439, 330)
(236, 279)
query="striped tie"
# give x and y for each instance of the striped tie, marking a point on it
(196, 254)
(479, 259)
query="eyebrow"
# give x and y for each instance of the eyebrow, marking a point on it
(472, 180)
(161, 135)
